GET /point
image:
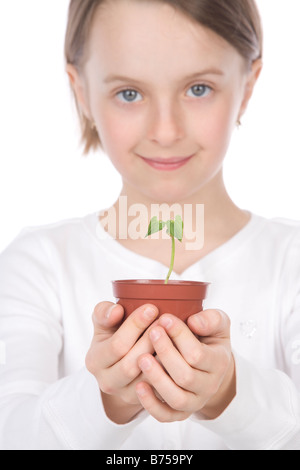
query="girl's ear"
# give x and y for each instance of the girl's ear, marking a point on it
(79, 88)
(251, 80)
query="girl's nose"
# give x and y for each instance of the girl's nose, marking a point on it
(166, 125)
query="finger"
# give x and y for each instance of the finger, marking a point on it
(195, 354)
(114, 377)
(202, 384)
(171, 393)
(187, 377)
(162, 412)
(106, 318)
(126, 393)
(122, 341)
(125, 371)
(210, 323)
(196, 361)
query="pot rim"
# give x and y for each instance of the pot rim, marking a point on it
(157, 289)
(154, 282)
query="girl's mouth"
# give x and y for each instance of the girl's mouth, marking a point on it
(167, 164)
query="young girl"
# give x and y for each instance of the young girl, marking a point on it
(160, 85)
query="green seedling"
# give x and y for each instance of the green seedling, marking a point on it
(174, 229)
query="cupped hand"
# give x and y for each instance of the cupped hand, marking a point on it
(193, 371)
(114, 352)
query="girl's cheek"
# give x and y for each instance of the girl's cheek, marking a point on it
(117, 123)
(219, 128)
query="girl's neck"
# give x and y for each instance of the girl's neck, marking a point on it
(221, 215)
(210, 217)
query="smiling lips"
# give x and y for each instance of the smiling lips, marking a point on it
(167, 164)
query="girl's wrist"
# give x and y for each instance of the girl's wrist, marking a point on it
(226, 393)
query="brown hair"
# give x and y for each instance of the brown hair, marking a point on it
(237, 21)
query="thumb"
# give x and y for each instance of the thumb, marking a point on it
(210, 323)
(106, 318)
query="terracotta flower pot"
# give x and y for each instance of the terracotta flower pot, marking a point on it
(181, 298)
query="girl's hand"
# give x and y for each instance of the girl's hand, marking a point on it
(193, 373)
(113, 356)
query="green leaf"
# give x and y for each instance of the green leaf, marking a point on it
(178, 228)
(175, 228)
(155, 225)
(170, 228)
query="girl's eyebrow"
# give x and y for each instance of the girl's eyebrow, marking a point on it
(122, 78)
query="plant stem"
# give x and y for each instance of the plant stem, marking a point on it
(172, 260)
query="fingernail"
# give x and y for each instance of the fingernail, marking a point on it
(145, 364)
(108, 313)
(154, 335)
(166, 322)
(149, 313)
(141, 390)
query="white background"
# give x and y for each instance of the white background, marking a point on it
(43, 176)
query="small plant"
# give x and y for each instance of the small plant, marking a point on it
(174, 229)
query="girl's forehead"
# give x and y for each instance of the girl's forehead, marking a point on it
(139, 28)
(151, 44)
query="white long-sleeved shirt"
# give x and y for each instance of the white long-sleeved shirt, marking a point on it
(52, 277)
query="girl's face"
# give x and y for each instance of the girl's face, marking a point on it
(165, 94)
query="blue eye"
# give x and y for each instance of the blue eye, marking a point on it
(129, 96)
(199, 91)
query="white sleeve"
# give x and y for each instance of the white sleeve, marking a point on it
(38, 408)
(67, 415)
(265, 414)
